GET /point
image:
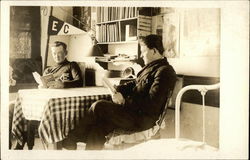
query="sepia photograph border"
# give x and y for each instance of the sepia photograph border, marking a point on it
(234, 81)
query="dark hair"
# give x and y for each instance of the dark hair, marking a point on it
(154, 41)
(59, 43)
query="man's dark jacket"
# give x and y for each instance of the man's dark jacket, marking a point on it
(67, 72)
(147, 95)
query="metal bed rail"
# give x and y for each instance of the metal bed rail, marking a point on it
(203, 90)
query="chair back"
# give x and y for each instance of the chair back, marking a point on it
(164, 112)
(119, 137)
(82, 67)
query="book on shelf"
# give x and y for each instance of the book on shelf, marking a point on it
(43, 80)
(105, 33)
(108, 33)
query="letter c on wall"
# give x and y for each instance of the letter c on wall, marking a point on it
(66, 29)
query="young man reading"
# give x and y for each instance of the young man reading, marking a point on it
(67, 75)
(136, 105)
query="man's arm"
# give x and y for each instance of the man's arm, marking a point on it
(163, 80)
(126, 88)
(76, 75)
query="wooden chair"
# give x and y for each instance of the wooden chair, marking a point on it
(121, 139)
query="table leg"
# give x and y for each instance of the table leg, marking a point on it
(31, 134)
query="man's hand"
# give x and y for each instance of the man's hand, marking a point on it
(55, 84)
(118, 98)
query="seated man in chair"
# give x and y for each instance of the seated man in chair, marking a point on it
(136, 105)
(67, 75)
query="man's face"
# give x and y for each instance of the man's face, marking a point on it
(146, 53)
(58, 53)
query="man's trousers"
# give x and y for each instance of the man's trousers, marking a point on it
(101, 119)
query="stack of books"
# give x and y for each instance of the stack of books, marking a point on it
(108, 32)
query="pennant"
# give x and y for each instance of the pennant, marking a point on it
(59, 27)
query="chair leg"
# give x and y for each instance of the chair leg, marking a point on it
(157, 135)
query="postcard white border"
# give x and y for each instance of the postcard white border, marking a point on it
(234, 80)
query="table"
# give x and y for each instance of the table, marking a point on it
(57, 110)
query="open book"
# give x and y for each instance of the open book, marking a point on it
(43, 80)
(109, 85)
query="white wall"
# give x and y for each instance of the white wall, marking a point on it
(80, 46)
(197, 66)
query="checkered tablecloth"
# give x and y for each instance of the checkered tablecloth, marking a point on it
(19, 124)
(63, 114)
(57, 116)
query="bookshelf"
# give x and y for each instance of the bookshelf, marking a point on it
(121, 24)
(118, 30)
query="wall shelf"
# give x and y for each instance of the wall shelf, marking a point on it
(118, 30)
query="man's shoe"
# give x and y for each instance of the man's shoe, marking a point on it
(69, 144)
